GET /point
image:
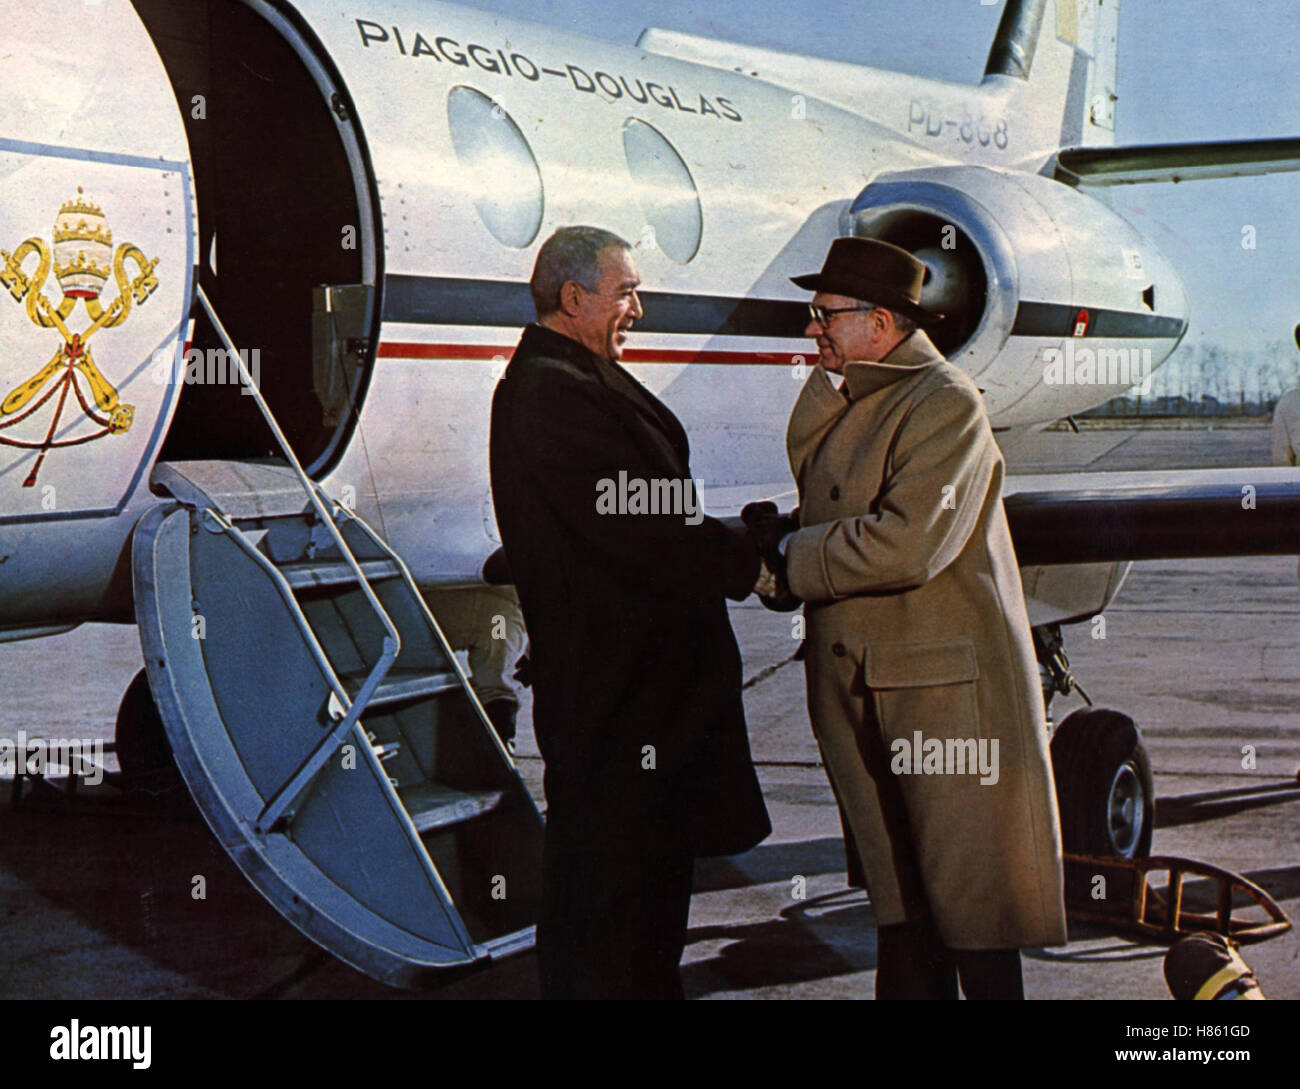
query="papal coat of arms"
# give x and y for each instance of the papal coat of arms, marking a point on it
(82, 261)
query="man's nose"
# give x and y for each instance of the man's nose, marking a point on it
(813, 328)
(637, 312)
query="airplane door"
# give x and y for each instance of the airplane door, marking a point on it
(288, 248)
(97, 231)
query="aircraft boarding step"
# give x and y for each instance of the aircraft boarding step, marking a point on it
(324, 727)
(401, 685)
(432, 806)
(320, 576)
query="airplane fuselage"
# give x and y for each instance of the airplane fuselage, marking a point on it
(410, 157)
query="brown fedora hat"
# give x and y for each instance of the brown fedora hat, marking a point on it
(875, 272)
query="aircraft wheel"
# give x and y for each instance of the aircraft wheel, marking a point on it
(1103, 785)
(143, 751)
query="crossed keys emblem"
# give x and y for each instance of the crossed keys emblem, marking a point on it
(81, 259)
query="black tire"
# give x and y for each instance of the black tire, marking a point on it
(143, 752)
(1103, 785)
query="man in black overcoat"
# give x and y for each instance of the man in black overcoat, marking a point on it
(636, 673)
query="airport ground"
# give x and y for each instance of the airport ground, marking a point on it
(1205, 655)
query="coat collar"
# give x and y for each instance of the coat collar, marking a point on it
(914, 352)
(539, 340)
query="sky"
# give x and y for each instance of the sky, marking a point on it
(1189, 70)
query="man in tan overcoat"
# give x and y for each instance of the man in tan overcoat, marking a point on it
(923, 688)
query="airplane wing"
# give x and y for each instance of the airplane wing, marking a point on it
(1076, 518)
(1139, 163)
(1091, 517)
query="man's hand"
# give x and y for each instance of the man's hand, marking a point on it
(776, 595)
(766, 586)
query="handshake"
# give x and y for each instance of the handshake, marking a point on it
(766, 526)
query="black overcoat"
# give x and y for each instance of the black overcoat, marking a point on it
(636, 673)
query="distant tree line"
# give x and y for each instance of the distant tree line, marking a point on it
(1209, 380)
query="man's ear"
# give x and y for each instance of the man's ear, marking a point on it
(570, 298)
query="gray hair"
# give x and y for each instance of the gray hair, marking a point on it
(571, 253)
(905, 325)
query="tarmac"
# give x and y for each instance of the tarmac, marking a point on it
(1205, 655)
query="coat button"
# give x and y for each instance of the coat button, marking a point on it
(835, 492)
(838, 650)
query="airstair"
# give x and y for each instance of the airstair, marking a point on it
(323, 725)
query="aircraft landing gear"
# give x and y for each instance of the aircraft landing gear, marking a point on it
(1103, 775)
(1103, 785)
(1106, 798)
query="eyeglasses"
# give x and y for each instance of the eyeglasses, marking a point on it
(822, 316)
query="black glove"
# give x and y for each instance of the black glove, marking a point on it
(751, 512)
(767, 526)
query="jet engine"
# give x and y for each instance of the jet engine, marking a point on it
(1053, 302)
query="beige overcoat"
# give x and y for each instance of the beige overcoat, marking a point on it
(916, 632)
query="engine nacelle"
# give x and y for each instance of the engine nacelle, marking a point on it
(1054, 303)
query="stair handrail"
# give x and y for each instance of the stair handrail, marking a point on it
(431, 621)
(391, 646)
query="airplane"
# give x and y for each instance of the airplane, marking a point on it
(300, 234)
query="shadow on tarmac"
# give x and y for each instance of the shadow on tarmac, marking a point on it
(116, 895)
(820, 938)
(1213, 805)
(770, 862)
(122, 890)
(121, 886)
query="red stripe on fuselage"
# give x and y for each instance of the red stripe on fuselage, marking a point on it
(391, 349)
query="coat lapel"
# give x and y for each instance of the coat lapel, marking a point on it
(819, 405)
(652, 412)
(646, 419)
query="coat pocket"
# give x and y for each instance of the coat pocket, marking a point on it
(926, 687)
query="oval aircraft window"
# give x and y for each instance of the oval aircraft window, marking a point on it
(665, 190)
(500, 171)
